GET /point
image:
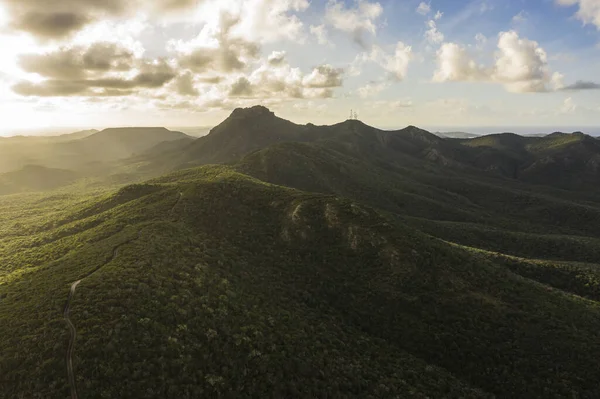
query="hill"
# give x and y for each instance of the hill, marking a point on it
(265, 290)
(566, 161)
(119, 143)
(87, 151)
(35, 178)
(322, 261)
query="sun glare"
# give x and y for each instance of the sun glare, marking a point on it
(3, 18)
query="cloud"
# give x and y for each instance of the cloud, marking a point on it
(480, 39)
(557, 81)
(215, 50)
(395, 64)
(241, 88)
(320, 32)
(423, 8)
(438, 15)
(51, 25)
(455, 64)
(150, 75)
(62, 18)
(371, 89)
(78, 61)
(588, 11)
(393, 105)
(280, 81)
(433, 35)
(324, 76)
(568, 106)
(259, 21)
(358, 21)
(520, 17)
(277, 58)
(184, 85)
(521, 65)
(582, 85)
(398, 63)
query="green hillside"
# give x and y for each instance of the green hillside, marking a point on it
(35, 178)
(321, 261)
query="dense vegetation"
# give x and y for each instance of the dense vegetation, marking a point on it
(355, 264)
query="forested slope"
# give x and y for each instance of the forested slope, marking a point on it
(225, 286)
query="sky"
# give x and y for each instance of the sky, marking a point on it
(102, 63)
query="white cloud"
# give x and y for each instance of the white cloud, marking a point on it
(397, 63)
(357, 21)
(438, 15)
(279, 81)
(557, 81)
(455, 64)
(480, 39)
(260, 21)
(568, 106)
(521, 65)
(520, 17)
(320, 32)
(277, 58)
(588, 12)
(371, 89)
(433, 35)
(423, 8)
(214, 49)
(392, 106)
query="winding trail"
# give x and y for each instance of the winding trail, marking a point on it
(73, 332)
(179, 197)
(72, 329)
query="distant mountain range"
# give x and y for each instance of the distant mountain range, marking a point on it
(568, 161)
(558, 159)
(88, 149)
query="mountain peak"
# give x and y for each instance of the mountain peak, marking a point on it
(252, 112)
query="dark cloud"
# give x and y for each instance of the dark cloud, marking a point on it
(277, 58)
(151, 76)
(324, 76)
(228, 57)
(582, 85)
(184, 85)
(175, 5)
(211, 79)
(51, 25)
(107, 56)
(50, 88)
(57, 19)
(78, 62)
(323, 93)
(241, 88)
